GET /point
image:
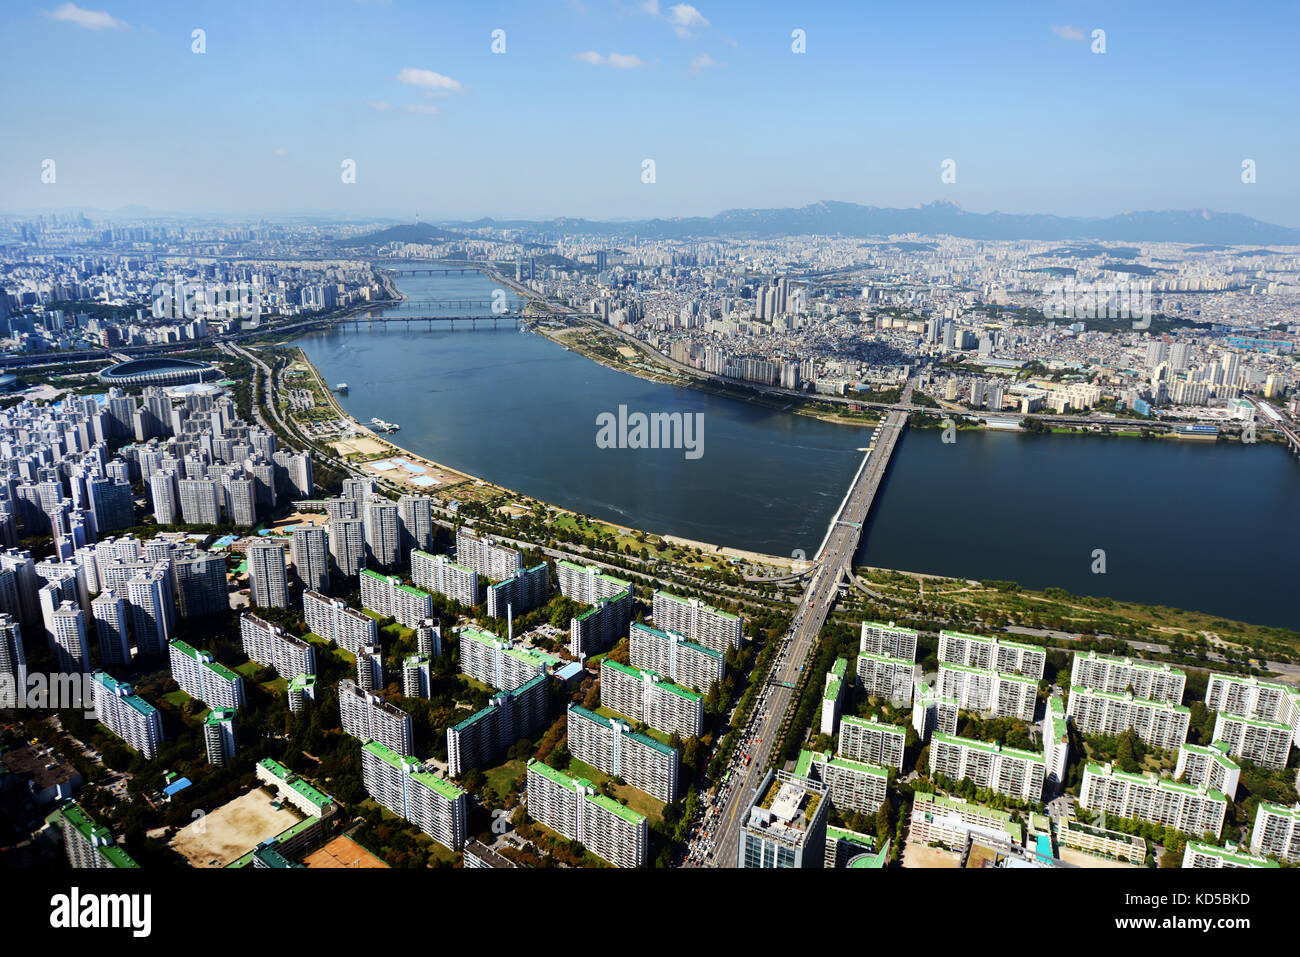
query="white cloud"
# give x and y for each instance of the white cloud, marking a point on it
(379, 105)
(428, 79)
(650, 6)
(426, 108)
(700, 62)
(685, 19)
(87, 19)
(619, 61)
(1068, 33)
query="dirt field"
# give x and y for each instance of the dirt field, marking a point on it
(342, 852)
(233, 829)
(361, 445)
(915, 855)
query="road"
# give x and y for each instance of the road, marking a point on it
(722, 818)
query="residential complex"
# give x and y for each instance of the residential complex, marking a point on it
(440, 575)
(645, 696)
(201, 676)
(872, 742)
(368, 717)
(1159, 724)
(333, 620)
(487, 557)
(87, 844)
(520, 593)
(1146, 680)
(269, 645)
(673, 656)
(938, 819)
(386, 595)
(992, 654)
(1193, 809)
(890, 679)
(500, 663)
(400, 784)
(990, 692)
(573, 808)
(126, 714)
(1276, 832)
(1015, 773)
(697, 622)
(852, 785)
(1266, 743)
(480, 739)
(610, 745)
(1209, 767)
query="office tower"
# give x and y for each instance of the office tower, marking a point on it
(417, 676)
(333, 620)
(440, 574)
(219, 736)
(989, 692)
(13, 661)
(415, 519)
(368, 717)
(88, 845)
(488, 558)
(200, 501)
(573, 808)
(150, 598)
(1015, 773)
(889, 640)
(400, 784)
(992, 654)
(388, 596)
(267, 575)
(1276, 832)
(1184, 807)
(110, 613)
(370, 668)
(673, 656)
(698, 622)
(785, 827)
(480, 739)
(869, 741)
(645, 696)
(521, 593)
(1160, 725)
(853, 785)
(127, 715)
(610, 745)
(201, 676)
(201, 584)
(348, 546)
(498, 663)
(1210, 767)
(311, 558)
(268, 645)
(1148, 680)
(383, 542)
(70, 643)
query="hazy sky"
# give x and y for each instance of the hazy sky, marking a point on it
(559, 125)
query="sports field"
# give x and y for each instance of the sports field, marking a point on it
(234, 829)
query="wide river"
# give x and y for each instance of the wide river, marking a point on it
(1203, 526)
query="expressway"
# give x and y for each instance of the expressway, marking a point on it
(723, 815)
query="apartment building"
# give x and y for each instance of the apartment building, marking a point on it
(573, 808)
(521, 592)
(500, 663)
(989, 692)
(940, 819)
(1147, 680)
(268, 576)
(1197, 854)
(645, 696)
(219, 736)
(1210, 767)
(1159, 724)
(992, 654)
(675, 657)
(1056, 743)
(368, 717)
(333, 620)
(889, 641)
(1189, 808)
(869, 741)
(386, 595)
(1276, 832)
(201, 676)
(890, 679)
(87, 844)
(399, 783)
(1266, 743)
(932, 712)
(1010, 771)
(439, 574)
(269, 645)
(697, 622)
(487, 557)
(610, 745)
(481, 738)
(833, 696)
(126, 714)
(1250, 697)
(601, 625)
(852, 785)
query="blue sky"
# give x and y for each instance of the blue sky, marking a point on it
(560, 123)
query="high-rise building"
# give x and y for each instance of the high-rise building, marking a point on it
(499, 663)
(1276, 832)
(383, 538)
(1015, 773)
(521, 593)
(415, 518)
(201, 584)
(200, 501)
(891, 679)
(610, 745)
(311, 558)
(333, 620)
(388, 596)
(673, 656)
(853, 785)
(127, 715)
(573, 808)
(399, 783)
(1148, 680)
(697, 622)
(441, 575)
(219, 736)
(88, 845)
(1210, 767)
(990, 692)
(347, 546)
(368, 717)
(13, 661)
(785, 827)
(480, 739)
(992, 654)
(268, 579)
(870, 741)
(201, 676)
(1188, 808)
(1266, 743)
(70, 642)
(888, 640)
(268, 645)
(488, 558)
(1056, 743)
(370, 668)
(150, 598)
(1197, 854)
(647, 697)
(417, 676)
(1102, 713)
(110, 613)
(165, 497)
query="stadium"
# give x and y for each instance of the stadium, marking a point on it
(158, 371)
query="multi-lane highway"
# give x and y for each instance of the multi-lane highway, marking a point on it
(749, 762)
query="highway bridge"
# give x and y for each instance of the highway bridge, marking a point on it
(772, 709)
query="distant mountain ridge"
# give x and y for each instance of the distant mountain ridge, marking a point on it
(1200, 226)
